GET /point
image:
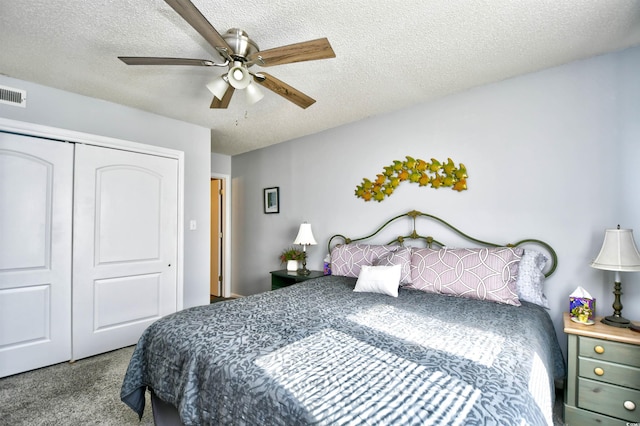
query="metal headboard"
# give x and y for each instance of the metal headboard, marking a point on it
(430, 241)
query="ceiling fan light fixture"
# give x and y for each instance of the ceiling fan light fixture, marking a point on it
(254, 94)
(239, 76)
(218, 87)
(240, 53)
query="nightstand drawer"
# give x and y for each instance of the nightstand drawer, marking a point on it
(610, 351)
(609, 399)
(578, 417)
(603, 371)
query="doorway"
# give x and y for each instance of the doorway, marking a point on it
(217, 236)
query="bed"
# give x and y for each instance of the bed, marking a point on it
(349, 349)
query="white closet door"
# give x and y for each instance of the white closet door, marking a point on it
(125, 246)
(36, 183)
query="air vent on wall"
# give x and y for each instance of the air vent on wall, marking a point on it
(11, 96)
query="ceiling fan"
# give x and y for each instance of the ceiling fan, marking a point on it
(240, 53)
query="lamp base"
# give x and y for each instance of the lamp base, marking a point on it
(303, 271)
(615, 321)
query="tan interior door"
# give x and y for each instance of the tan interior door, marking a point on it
(217, 189)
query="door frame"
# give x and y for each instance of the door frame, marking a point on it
(39, 130)
(226, 255)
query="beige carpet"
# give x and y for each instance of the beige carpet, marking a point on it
(86, 392)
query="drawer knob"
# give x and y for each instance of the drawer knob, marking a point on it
(629, 405)
(599, 349)
(599, 371)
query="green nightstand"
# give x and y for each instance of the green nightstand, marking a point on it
(284, 278)
(603, 377)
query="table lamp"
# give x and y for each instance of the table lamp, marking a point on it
(620, 254)
(305, 238)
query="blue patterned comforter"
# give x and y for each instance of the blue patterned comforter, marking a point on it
(318, 353)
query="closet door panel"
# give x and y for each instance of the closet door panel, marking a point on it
(125, 246)
(36, 183)
(141, 218)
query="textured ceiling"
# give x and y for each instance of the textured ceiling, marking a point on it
(390, 54)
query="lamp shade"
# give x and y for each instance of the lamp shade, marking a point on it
(618, 252)
(239, 76)
(305, 236)
(254, 94)
(218, 87)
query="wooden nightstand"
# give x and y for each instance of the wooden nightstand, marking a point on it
(603, 375)
(284, 278)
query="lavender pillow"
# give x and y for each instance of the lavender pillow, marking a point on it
(348, 259)
(530, 280)
(402, 257)
(484, 273)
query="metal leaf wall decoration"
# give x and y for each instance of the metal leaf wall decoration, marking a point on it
(425, 173)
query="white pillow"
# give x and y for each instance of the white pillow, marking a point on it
(530, 282)
(379, 279)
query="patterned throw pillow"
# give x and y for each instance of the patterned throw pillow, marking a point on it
(483, 273)
(348, 259)
(530, 282)
(401, 257)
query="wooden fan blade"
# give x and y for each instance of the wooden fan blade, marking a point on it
(217, 103)
(142, 60)
(298, 52)
(196, 19)
(284, 90)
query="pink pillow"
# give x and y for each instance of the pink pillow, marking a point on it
(401, 257)
(348, 259)
(483, 273)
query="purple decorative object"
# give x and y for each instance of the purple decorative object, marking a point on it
(582, 309)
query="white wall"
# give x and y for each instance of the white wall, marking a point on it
(65, 110)
(544, 154)
(628, 207)
(220, 164)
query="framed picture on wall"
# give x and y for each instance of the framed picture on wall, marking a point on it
(272, 200)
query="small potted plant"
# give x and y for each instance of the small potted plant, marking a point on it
(291, 256)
